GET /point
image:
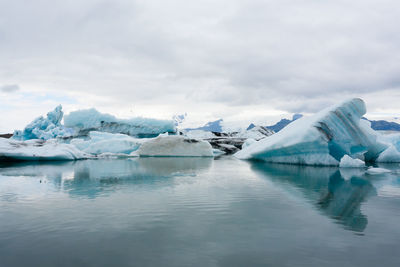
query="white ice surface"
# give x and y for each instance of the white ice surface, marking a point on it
(248, 142)
(175, 145)
(391, 154)
(377, 171)
(36, 149)
(349, 162)
(90, 119)
(256, 133)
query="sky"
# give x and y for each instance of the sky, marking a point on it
(241, 60)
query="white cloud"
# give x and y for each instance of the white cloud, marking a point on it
(9, 88)
(206, 58)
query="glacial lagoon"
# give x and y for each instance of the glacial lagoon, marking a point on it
(197, 212)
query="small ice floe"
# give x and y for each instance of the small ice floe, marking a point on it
(373, 170)
(349, 162)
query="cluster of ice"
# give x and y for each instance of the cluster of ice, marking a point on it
(335, 136)
(100, 144)
(45, 128)
(322, 139)
(230, 142)
(37, 149)
(175, 145)
(92, 134)
(199, 134)
(84, 121)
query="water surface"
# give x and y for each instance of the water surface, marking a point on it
(196, 212)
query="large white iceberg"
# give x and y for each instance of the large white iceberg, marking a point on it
(45, 127)
(322, 139)
(36, 149)
(175, 145)
(84, 121)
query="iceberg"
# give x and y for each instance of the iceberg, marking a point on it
(85, 121)
(321, 139)
(45, 128)
(36, 149)
(175, 146)
(349, 162)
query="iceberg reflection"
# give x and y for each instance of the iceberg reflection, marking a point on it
(338, 194)
(92, 178)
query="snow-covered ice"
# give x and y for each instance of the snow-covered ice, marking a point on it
(322, 139)
(36, 149)
(257, 133)
(199, 134)
(349, 162)
(84, 121)
(391, 154)
(175, 145)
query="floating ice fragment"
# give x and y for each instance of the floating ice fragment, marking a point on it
(349, 162)
(377, 170)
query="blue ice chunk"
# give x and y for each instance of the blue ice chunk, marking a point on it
(45, 127)
(88, 120)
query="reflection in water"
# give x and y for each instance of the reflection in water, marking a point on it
(326, 187)
(89, 178)
(195, 212)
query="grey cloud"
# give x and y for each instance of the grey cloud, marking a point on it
(9, 88)
(296, 56)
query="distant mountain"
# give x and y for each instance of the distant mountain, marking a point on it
(251, 126)
(382, 125)
(283, 123)
(213, 126)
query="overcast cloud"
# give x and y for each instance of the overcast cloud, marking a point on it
(211, 59)
(9, 88)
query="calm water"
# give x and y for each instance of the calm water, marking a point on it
(196, 212)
